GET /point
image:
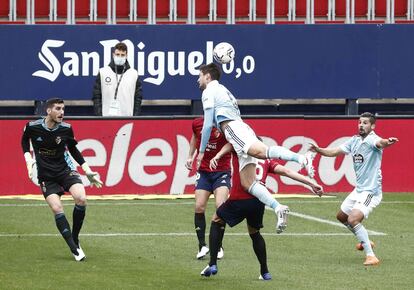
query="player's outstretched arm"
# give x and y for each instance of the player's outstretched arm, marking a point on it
(382, 143)
(329, 152)
(284, 171)
(92, 176)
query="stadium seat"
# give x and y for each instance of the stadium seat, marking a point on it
(4, 9)
(241, 8)
(320, 8)
(82, 9)
(361, 8)
(400, 8)
(162, 7)
(381, 8)
(122, 8)
(281, 8)
(201, 8)
(42, 9)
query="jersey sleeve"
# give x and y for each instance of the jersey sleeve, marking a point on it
(71, 141)
(26, 139)
(207, 99)
(346, 147)
(207, 127)
(372, 141)
(71, 144)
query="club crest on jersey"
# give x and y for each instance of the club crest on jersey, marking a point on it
(358, 158)
(58, 140)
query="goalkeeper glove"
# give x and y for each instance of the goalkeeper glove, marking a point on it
(29, 164)
(92, 176)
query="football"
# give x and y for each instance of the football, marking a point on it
(223, 52)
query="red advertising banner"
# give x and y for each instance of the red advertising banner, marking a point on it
(148, 156)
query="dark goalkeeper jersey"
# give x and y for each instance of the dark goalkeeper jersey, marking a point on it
(51, 148)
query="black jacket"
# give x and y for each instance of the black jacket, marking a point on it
(97, 92)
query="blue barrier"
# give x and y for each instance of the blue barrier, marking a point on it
(272, 61)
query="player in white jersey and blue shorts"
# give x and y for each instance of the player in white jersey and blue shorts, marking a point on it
(221, 111)
(366, 149)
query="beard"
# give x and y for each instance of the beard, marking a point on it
(362, 133)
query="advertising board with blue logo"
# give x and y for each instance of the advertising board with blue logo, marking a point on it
(272, 61)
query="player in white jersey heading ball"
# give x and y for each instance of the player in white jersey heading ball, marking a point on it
(366, 149)
(221, 111)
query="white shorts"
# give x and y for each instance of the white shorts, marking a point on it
(364, 201)
(241, 136)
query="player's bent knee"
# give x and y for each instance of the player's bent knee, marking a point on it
(246, 184)
(217, 219)
(353, 221)
(80, 201)
(56, 209)
(200, 209)
(258, 150)
(252, 231)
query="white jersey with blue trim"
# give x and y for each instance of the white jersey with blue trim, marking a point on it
(367, 162)
(223, 102)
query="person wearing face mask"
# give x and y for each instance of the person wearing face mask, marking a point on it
(117, 90)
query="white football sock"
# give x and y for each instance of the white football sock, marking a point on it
(279, 152)
(260, 191)
(361, 233)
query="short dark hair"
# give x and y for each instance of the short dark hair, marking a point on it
(51, 102)
(121, 46)
(212, 69)
(372, 117)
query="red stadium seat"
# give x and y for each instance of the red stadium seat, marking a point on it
(4, 9)
(82, 9)
(201, 8)
(320, 8)
(122, 8)
(281, 8)
(241, 6)
(162, 7)
(41, 8)
(361, 8)
(381, 8)
(400, 8)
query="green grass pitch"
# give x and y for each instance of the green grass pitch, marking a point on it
(151, 244)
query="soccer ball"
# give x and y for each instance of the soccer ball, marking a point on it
(223, 52)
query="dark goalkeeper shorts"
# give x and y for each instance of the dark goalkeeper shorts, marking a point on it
(60, 184)
(234, 212)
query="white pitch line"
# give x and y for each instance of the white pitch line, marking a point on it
(5, 235)
(325, 221)
(312, 218)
